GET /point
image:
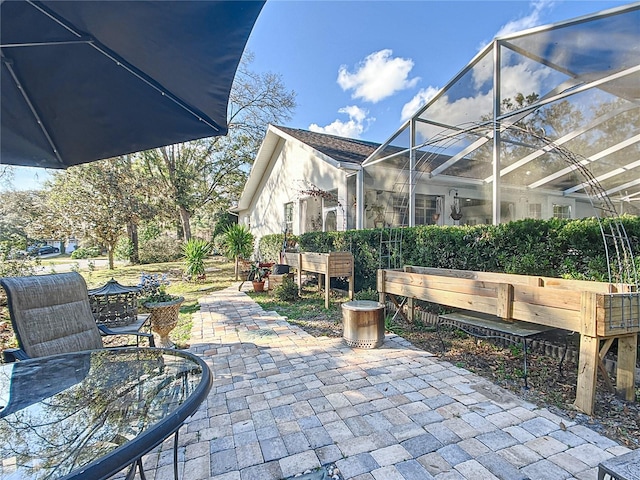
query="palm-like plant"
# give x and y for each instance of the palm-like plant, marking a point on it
(238, 243)
(195, 252)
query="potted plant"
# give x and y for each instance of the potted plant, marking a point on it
(257, 275)
(164, 307)
(378, 221)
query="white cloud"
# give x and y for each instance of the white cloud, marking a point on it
(378, 76)
(520, 75)
(356, 113)
(419, 100)
(529, 21)
(352, 128)
(525, 78)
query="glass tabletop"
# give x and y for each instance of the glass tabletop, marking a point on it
(90, 414)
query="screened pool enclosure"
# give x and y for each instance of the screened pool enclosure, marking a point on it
(543, 123)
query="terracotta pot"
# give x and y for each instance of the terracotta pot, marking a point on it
(258, 286)
(164, 318)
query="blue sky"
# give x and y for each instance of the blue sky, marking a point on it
(360, 68)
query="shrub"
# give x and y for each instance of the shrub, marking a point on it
(195, 251)
(367, 294)
(161, 249)
(287, 291)
(270, 246)
(85, 252)
(124, 249)
(551, 248)
(14, 264)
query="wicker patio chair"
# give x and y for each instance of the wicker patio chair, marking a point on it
(51, 314)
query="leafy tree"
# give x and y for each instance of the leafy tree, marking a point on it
(20, 221)
(98, 199)
(223, 221)
(238, 244)
(211, 172)
(6, 175)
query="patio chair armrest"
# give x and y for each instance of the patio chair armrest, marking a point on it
(14, 354)
(107, 331)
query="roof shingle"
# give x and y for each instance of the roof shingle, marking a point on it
(341, 149)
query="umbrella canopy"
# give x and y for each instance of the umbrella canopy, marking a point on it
(87, 80)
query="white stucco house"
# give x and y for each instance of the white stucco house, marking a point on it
(302, 181)
(541, 123)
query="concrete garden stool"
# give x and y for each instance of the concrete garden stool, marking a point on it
(363, 323)
(624, 467)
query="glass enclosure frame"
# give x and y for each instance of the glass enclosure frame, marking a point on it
(485, 148)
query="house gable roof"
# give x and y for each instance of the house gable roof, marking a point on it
(331, 148)
(340, 149)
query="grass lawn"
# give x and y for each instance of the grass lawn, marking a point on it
(219, 276)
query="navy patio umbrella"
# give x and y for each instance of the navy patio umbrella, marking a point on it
(88, 80)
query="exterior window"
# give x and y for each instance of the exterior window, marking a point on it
(421, 215)
(535, 210)
(562, 211)
(331, 199)
(288, 217)
(426, 209)
(400, 210)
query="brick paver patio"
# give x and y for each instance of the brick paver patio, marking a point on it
(284, 402)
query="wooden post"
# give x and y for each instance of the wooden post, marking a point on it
(411, 305)
(587, 373)
(411, 309)
(505, 301)
(327, 281)
(352, 281)
(588, 304)
(381, 280)
(299, 274)
(626, 367)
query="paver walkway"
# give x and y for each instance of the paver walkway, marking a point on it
(284, 402)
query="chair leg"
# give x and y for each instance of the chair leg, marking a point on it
(141, 470)
(175, 456)
(137, 465)
(524, 343)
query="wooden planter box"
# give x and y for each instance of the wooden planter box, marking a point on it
(334, 264)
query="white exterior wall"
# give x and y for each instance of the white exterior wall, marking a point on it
(294, 167)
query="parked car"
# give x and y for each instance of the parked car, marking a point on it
(43, 250)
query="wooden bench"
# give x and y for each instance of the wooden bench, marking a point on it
(334, 264)
(600, 312)
(482, 326)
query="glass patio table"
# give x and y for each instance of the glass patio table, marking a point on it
(91, 414)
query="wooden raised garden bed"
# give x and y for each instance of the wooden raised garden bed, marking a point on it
(600, 312)
(334, 264)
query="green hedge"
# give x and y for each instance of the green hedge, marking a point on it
(553, 248)
(270, 246)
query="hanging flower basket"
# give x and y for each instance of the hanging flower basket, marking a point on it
(164, 318)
